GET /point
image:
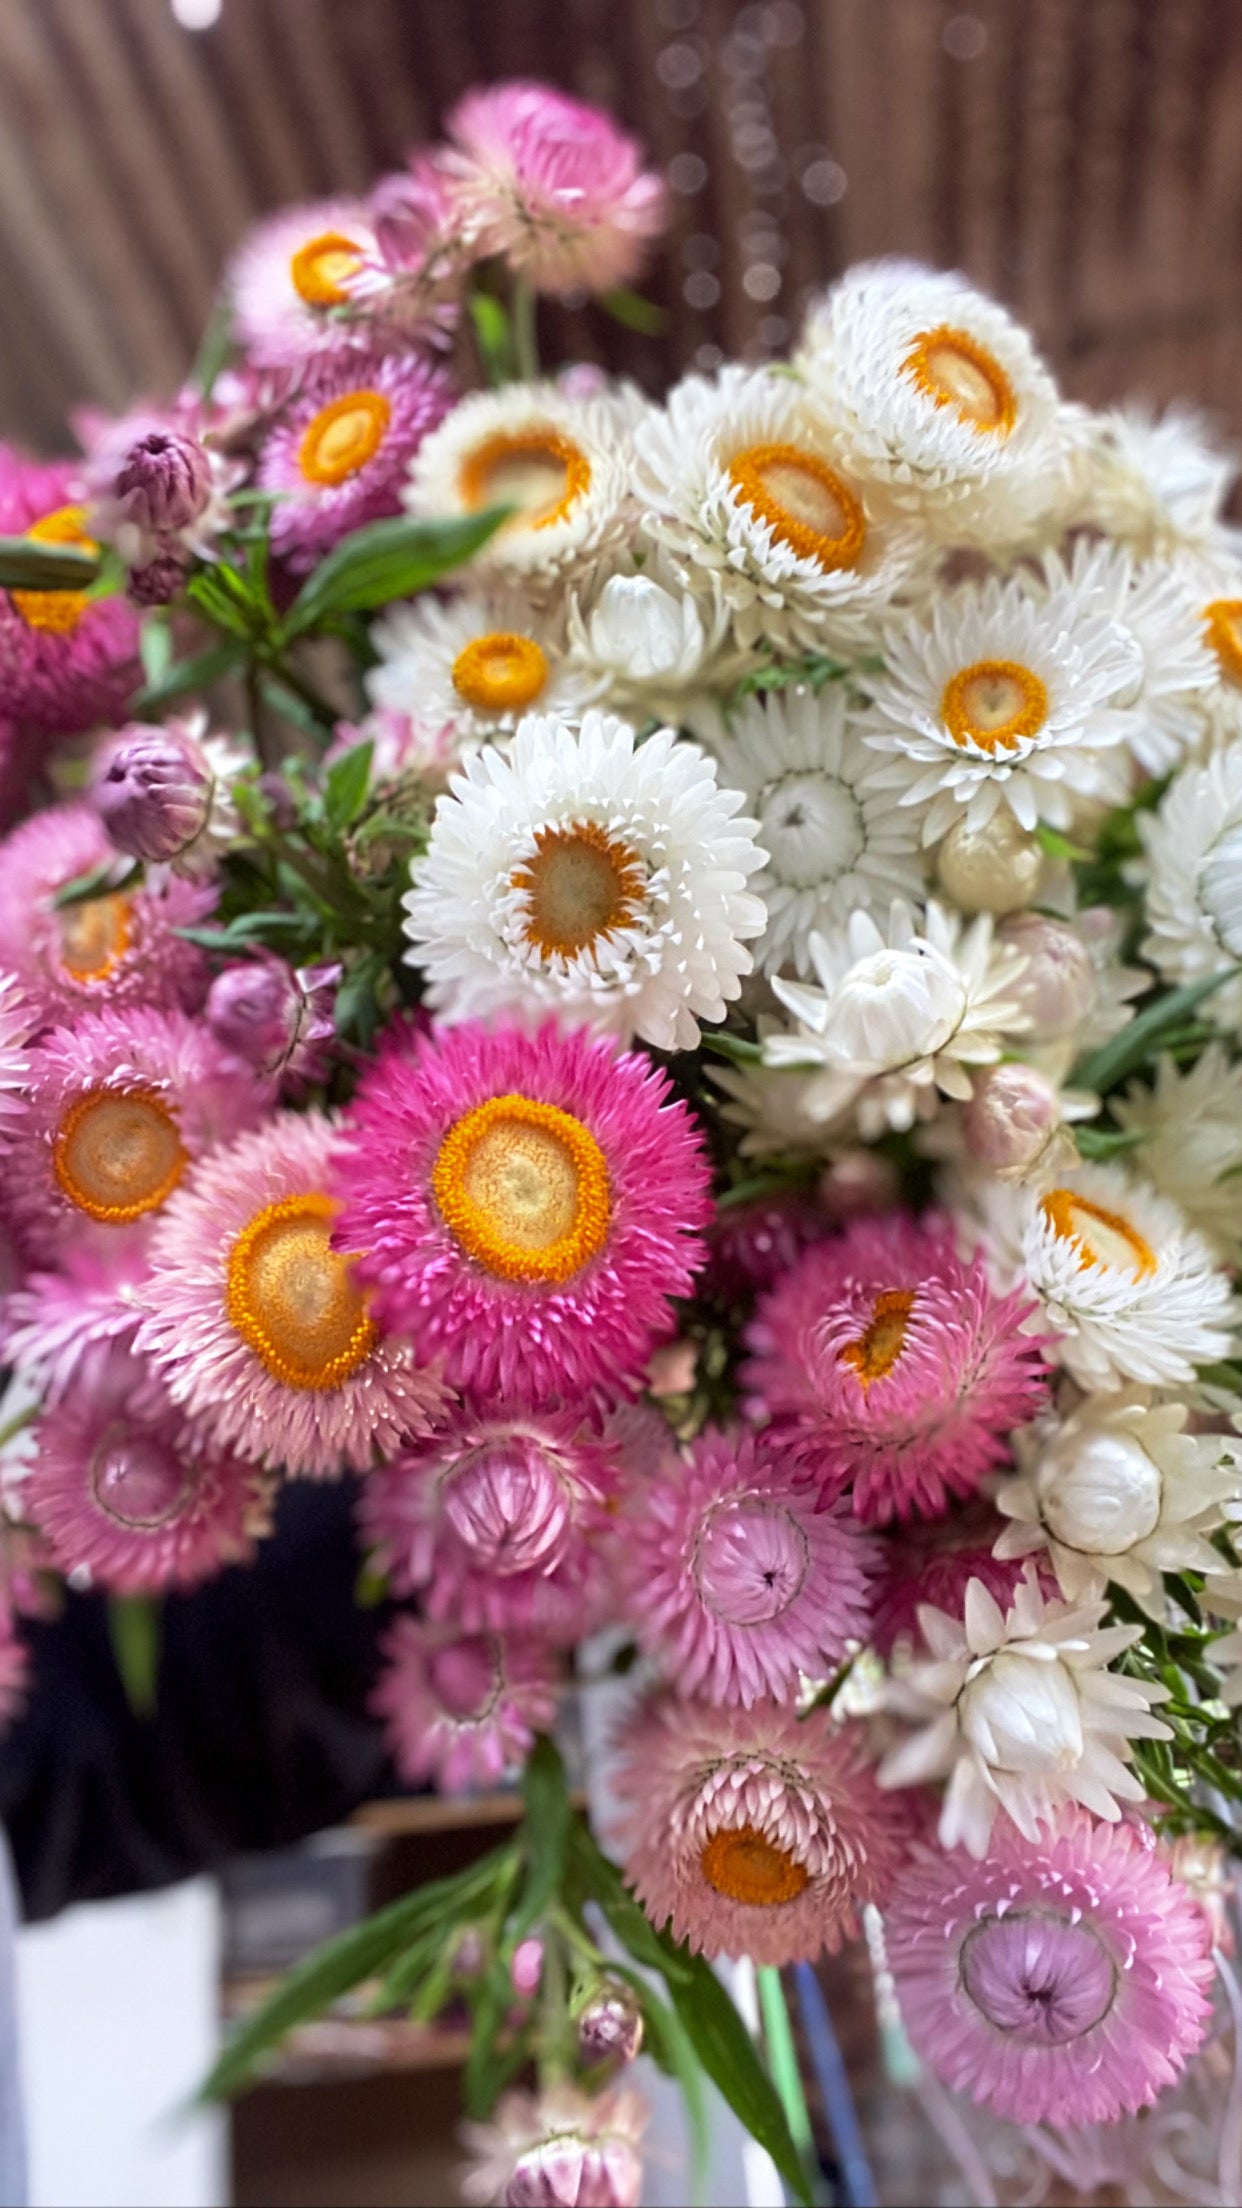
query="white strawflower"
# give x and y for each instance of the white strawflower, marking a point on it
(476, 663)
(898, 1015)
(1019, 1712)
(563, 463)
(1162, 606)
(749, 490)
(1190, 1125)
(646, 649)
(581, 873)
(771, 1105)
(1131, 1290)
(1005, 694)
(1222, 1595)
(837, 841)
(940, 395)
(1156, 482)
(1193, 843)
(1118, 1491)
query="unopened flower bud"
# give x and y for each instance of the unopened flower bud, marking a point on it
(526, 1968)
(1011, 1118)
(1057, 989)
(469, 1955)
(280, 1021)
(157, 582)
(549, 2175)
(164, 482)
(507, 1504)
(610, 2027)
(154, 793)
(995, 868)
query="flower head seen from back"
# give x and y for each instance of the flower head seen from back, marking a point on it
(559, 2148)
(526, 1205)
(341, 448)
(462, 1710)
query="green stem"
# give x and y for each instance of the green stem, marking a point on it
(17, 1425)
(315, 703)
(783, 2058)
(525, 333)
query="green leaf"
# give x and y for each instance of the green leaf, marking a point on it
(1058, 846)
(634, 312)
(1126, 1052)
(545, 1834)
(156, 645)
(219, 605)
(666, 2041)
(492, 336)
(103, 880)
(134, 1631)
(356, 1011)
(602, 1881)
(387, 560)
(479, 2084)
(28, 564)
(188, 674)
(1106, 1142)
(215, 348)
(346, 784)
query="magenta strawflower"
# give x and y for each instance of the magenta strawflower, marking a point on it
(60, 1327)
(733, 1580)
(260, 1328)
(498, 1523)
(66, 661)
(935, 1564)
(120, 947)
(463, 1709)
(553, 185)
(288, 280)
(752, 1832)
(895, 1365)
(340, 451)
(526, 1205)
(1063, 1982)
(119, 1488)
(121, 1105)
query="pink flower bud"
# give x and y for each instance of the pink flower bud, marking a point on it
(280, 1021)
(508, 1506)
(610, 2028)
(1058, 988)
(1011, 1118)
(154, 793)
(158, 581)
(526, 1968)
(857, 1184)
(164, 482)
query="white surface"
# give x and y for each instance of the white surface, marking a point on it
(117, 2015)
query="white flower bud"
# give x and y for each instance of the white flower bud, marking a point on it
(895, 1006)
(1021, 1714)
(1099, 1493)
(995, 868)
(642, 634)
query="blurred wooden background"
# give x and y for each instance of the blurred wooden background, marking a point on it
(1083, 158)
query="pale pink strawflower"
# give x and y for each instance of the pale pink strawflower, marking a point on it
(340, 451)
(17, 1023)
(277, 1018)
(935, 1564)
(288, 281)
(121, 1105)
(733, 1580)
(526, 1205)
(260, 1328)
(498, 1523)
(120, 947)
(553, 185)
(59, 1327)
(121, 1490)
(559, 2148)
(461, 1710)
(409, 284)
(752, 1832)
(66, 661)
(1065, 1982)
(895, 1365)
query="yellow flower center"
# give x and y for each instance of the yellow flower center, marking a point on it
(500, 672)
(744, 1866)
(343, 436)
(294, 1299)
(118, 1153)
(57, 610)
(954, 370)
(876, 1351)
(94, 936)
(1223, 630)
(539, 472)
(804, 503)
(1101, 1237)
(322, 267)
(580, 885)
(994, 704)
(523, 1187)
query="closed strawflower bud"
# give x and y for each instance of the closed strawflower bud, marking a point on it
(164, 482)
(158, 581)
(1058, 988)
(507, 1505)
(278, 1019)
(526, 1968)
(1011, 1118)
(610, 2027)
(154, 793)
(991, 868)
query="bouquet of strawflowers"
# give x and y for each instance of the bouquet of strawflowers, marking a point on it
(661, 982)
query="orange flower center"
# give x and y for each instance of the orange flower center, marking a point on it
(804, 503)
(1223, 630)
(994, 704)
(118, 1153)
(322, 267)
(876, 1351)
(580, 886)
(1101, 1237)
(523, 1187)
(956, 371)
(539, 472)
(744, 1866)
(294, 1299)
(57, 610)
(500, 672)
(94, 936)
(343, 436)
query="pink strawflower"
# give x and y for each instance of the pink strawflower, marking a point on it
(288, 280)
(17, 1022)
(410, 285)
(752, 1832)
(119, 1488)
(60, 1327)
(935, 1564)
(553, 185)
(752, 1244)
(734, 1581)
(1063, 1982)
(66, 661)
(121, 1105)
(118, 948)
(461, 1710)
(526, 1205)
(260, 1328)
(498, 1523)
(558, 2148)
(340, 452)
(894, 1364)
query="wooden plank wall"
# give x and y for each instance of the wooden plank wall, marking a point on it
(1083, 158)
